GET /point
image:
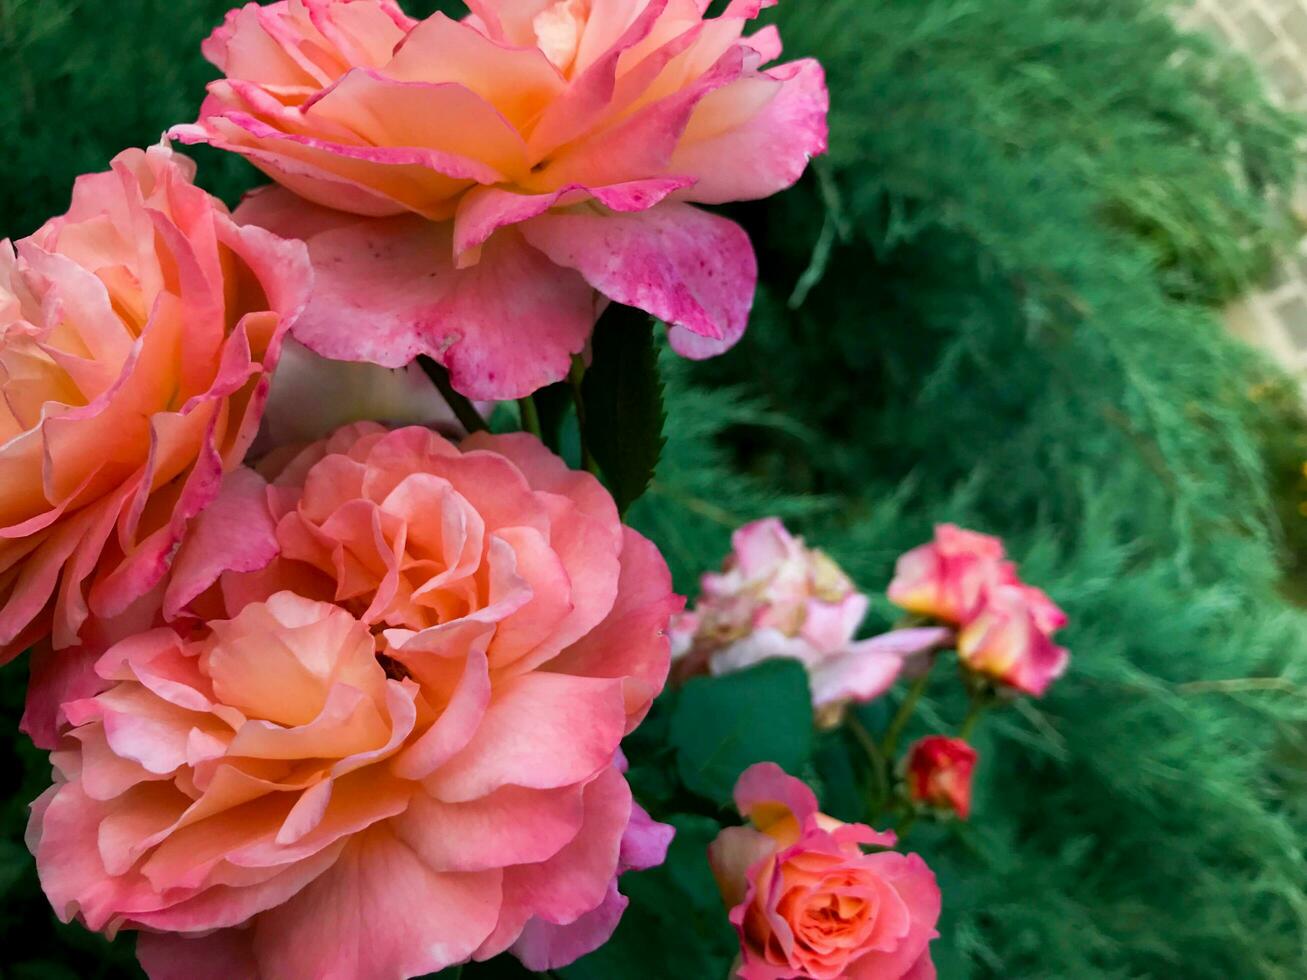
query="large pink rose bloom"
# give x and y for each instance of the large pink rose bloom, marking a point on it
(807, 898)
(397, 750)
(137, 333)
(482, 186)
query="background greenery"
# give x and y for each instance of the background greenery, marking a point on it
(992, 304)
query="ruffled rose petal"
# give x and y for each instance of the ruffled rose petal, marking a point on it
(734, 158)
(470, 320)
(360, 916)
(693, 270)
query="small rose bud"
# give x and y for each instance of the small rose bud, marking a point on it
(938, 773)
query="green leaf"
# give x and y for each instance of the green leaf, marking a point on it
(723, 725)
(622, 395)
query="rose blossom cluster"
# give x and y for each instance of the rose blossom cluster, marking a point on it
(336, 684)
(776, 597)
(327, 697)
(1005, 627)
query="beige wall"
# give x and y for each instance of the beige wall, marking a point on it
(1274, 34)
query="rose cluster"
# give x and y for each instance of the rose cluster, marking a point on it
(1005, 626)
(334, 680)
(382, 671)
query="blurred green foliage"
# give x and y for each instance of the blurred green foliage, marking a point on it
(967, 309)
(989, 304)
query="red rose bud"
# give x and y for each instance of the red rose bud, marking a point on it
(939, 773)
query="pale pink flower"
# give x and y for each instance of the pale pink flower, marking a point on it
(477, 190)
(777, 598)
(809, 902)
(394, 746)
(137, 334)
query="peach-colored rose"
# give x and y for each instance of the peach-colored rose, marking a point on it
(137, 333)
(776, 597)
(1007, 642)
(477, 190)
(938, 772)
(806, 898)
(396, 748)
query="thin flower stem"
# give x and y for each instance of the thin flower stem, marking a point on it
(904, 714)
(530, 416)
(463, 409)
(576, 376)
(879, 767)
(978, 706)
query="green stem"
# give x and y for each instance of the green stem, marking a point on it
(463, 409)
(576, 376)
(978, 705)
(530, 416)
(879, 766)
(904, 714)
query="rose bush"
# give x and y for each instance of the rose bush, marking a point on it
(477, 190)
(416, 704)
(808, 901)
(137, 334)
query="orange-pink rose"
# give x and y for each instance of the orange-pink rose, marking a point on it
(137, 333)
(395, 747)
(480, 188)
(810, 901)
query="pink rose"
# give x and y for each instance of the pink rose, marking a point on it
(395, 745)
(137, 333)
(809, 901)
(478, 190)
(1007, 643)
(949, 578)
(938, 773)
(776, 597)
